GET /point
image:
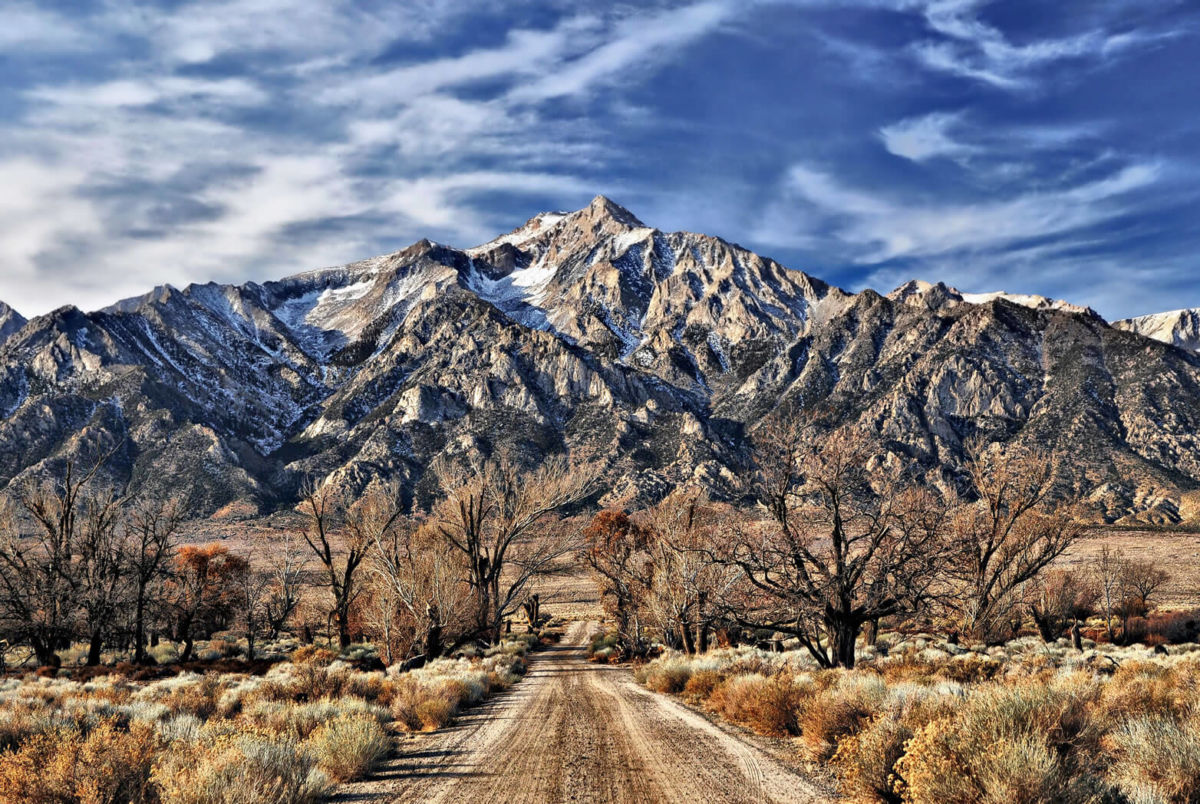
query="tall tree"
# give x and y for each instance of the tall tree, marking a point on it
(38, 572)
(847, 542)
(1006, 537)
(616, 548)
(204, 591)
(149, 548)
(501, 519)
(284, 586)
(340, 553)
(425, 578)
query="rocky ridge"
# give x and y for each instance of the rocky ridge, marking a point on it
(653, 353)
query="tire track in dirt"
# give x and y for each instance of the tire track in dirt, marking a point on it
(580, 732)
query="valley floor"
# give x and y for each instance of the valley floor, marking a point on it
(575, 731)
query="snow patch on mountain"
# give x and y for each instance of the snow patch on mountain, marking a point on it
(1178, 327)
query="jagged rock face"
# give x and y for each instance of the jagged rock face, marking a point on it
(10, 321)
(1180, 328)
(653, 354)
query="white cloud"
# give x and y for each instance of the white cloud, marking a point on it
(637, 40)
(926, 137)
(30, 28)
(974, 49)
(868, 228)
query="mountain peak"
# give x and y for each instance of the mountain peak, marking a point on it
(10, 321)
(603, 206)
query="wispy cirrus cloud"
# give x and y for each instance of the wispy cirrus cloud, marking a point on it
(166, 141)
(973, 48)
(874, 228)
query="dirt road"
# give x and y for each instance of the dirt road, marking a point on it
(574, 731)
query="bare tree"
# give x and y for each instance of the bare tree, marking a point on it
(500, 518)
(1061, 598)
(848, 543)
(250, 591)
(98, 571)
(616, 548)
(1108, 570)
(149, 548)
(340, 557)
(1004, 539)
(687, 586)
(425, 577)
(1140, 582)
(38, 583)
(284, 586)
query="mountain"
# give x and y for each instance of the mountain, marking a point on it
(1180, 328)
(10, 321)
(654, 354)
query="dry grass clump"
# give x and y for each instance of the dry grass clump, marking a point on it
(928, 722)
(1157, 759)
(104, 765)
(431, 697)
(348, 747)
(225, 738)
(768, 705)
(838, 711)
(239, 766)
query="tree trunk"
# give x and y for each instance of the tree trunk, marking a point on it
(1076, 637)
(46, 657)
(188, 644)
(873, 632)
(95, 647)
(844, 634)
(685, 635)
(139, 631)
(343, 624)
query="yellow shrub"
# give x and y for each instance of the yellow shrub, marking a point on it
(108, 766)
(348, 747)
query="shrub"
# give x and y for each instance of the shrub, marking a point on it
(107, 766)
(767, 705)
(1157, 759)
(240, 767)
(1018, 743)
(702, 684)
(866, 761)
(311, 654)
(348, 747)
(838, 711)
(669, 675)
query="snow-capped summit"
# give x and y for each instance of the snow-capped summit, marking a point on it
(934, 295)
(1179, 327)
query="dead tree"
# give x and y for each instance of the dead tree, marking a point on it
(501, 519)
(149, 547)
(1004, 539)
(340, 554)
(847, 542)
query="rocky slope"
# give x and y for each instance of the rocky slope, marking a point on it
(652, 353)
(10, 321)
(1180, 328)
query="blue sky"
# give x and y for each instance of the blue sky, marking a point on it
(1022, 145)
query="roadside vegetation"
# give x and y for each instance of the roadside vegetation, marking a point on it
(920, 719)
(921, 644)
(289, 734)
(140, 669)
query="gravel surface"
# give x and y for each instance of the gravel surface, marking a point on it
(574, 731)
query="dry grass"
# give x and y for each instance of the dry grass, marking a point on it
(933, 722)
(230, 738)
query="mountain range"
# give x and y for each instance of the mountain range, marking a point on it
(654, 354)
